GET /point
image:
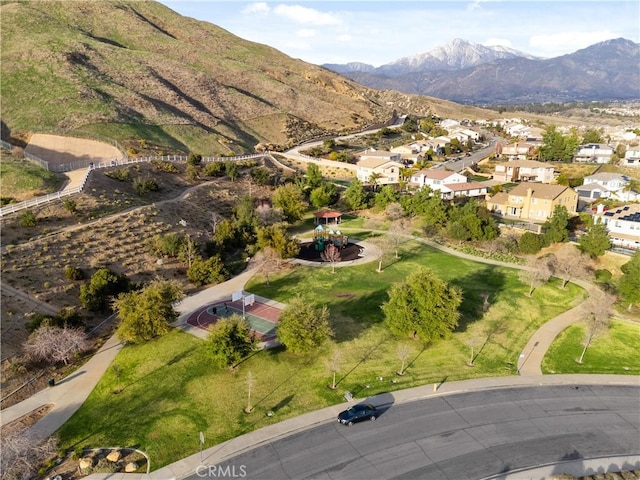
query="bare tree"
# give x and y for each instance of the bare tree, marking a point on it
(473, 341)
(22, 454)
(54, 344)
(396, 234)
(384, 247)
(331, 254)
(536, 273)
(404, 352)
(269, 215)
(598, 312)
(569, 263)
(394, 211)
(251, 382)
(189, 250)
(334, 366)
(268, 261)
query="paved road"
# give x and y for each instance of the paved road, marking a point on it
(462, 436)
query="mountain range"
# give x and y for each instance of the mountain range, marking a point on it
(140, 73)
(470, 73)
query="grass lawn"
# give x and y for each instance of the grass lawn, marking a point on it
(171, 391)
(22, 179)
(615, 352)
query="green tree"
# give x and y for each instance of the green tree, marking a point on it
(556, 226)
(355, 196)
(194, 159)
(27, 219)
(303, 327)
(276, 236)
(423, 306)
(260, 175)
(592, 136)
(373, 180)
(207, 272)
(386, 196)
(103, 285)
(596, 241)
(313, 176)
(629, 283)
(147, 313)
(556, 146)
(289, 199)
(230, 340)
(323, 195)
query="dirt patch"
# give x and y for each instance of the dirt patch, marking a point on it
(58, 150)
(24, 422)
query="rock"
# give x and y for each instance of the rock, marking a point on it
(114, 455)
(86, 462)
(131, 467)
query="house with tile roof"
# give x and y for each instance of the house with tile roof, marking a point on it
(623, 225)
(523, 171)
(385, 166)
(533, 202)
(434, 179)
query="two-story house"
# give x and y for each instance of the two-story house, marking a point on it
(594, 153)
(434, 179)
(631, 157)
(385, 167)
(533, 201)
(517, 151)
(607, 185)
(523, 171)
(623, 225)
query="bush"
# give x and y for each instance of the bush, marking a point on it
(28, 219)
(530, 243)
(66, 316)
(143, 185)
(73, 273)
(205, 272)
(163, 166)
(214, 169)
(70, 205)
(194, 159)
(121, 174)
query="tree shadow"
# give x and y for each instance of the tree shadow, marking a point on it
(476, 286)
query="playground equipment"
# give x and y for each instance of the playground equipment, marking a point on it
(322, 236)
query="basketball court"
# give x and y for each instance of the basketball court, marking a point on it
(262, 318)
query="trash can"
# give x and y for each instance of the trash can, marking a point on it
(52, 382)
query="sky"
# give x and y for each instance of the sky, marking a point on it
(379, 32)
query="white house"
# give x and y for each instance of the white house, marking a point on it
(435, 179)
(594, 153)
(473, 135)
(609, 185)
(623, 224)
(388, 170)
(449, 123)
(516, 130)
(405, 149)
(631, 158)
(463, 189)
(523, 171)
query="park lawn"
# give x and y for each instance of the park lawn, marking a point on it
(615, 352)
(22, 179)
(171, 391)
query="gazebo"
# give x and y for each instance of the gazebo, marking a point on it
(329, 216)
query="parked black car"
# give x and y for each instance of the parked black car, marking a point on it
(357, 413)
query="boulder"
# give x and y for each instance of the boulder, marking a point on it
(131, 467)
(86, 462)
(114, 455)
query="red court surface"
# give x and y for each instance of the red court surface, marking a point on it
(262, 318)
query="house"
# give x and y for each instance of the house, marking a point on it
(533, 201)
(473, 135)
(607, 185)
(523, 171)
(594, 153)
(388, 171)
(434, 179)
(631, 158)
(449, 123)
(517, 130)
(463, 189)
(623, 225)
(379, 155)
(518, 151)
(405, 150)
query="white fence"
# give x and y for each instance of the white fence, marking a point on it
(34, 202)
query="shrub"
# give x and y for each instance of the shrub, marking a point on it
(121, 174)
(67, 316)
(70, 205)
(204, 272)
(73, 273)
(163, 166)
(143, 185)
(194, 159)
(214, 169)
(530, 243)
(28, 219)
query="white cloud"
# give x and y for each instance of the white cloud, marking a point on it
(306, 33)
(345, 37)
(503, 42)
(258, 7)
(305, 15)
(551, 44)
